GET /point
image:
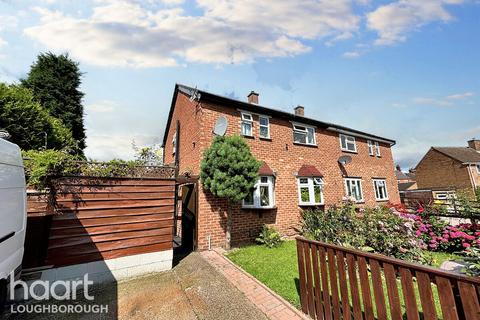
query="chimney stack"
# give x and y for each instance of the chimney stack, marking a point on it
(299, 111)
(253, 97)
(474, 144)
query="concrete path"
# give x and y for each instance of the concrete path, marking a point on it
(194, 289)
(271, 304)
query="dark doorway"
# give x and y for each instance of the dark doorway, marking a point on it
(186, 221)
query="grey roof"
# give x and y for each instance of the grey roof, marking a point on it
(401, 176)
(201, 94)
(462, 154)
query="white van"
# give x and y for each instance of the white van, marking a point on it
(13, 214)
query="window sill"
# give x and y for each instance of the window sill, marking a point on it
(266, 139)
(248, 137)
(259, 208)
(349, 151)
(306, 145)
(310, 204)
(381, 200)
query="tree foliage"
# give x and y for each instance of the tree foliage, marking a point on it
(55, 81)
(228, 169)
(30, 125)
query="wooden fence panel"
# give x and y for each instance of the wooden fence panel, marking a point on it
(101, 218)
(350, 277)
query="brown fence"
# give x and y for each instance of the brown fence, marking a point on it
(88, 219)
(341, 283)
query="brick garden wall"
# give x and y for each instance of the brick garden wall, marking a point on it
(285, 158)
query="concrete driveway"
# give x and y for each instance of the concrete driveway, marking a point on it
(192, 290)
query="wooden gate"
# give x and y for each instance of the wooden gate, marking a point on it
(341, 283)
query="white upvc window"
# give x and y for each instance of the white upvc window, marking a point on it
(263, 194)
(353, 188)
(304, 134)
(377, 149)
(247, 124)
(370, 148)
(310, 191)
(380, 186)
(174, 143)
(347, 143)
(264, 127)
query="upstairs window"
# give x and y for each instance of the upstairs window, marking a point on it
(247, 124)
(377, 149)
(370, 148)
(353, 188)
(380, 186)
(478, 168)
(347, 143)
(303, 134)
(264, 125)
(174, 143)
(262, 196)
(310, 191)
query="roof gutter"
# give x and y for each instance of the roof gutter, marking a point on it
(360, 135)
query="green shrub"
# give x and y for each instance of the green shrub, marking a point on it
(472, 262)
(269, 237)
(387, 233)
(42, 166)
(378, 230)
(338, 225)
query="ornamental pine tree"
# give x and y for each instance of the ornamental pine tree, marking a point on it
(229, 170)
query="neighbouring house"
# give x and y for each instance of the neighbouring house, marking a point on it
(406, 181)
(450, 168)
(306, 163)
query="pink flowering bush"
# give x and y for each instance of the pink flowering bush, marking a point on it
(437, 235)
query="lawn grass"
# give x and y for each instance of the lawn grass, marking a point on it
(277, 268)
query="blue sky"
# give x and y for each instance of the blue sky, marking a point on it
(407, 70)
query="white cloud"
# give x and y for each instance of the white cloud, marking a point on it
(124, 33)
(447, 101)
(112, 126)
(351, 54)
(460, 96)
(394, 21)
(101, 107)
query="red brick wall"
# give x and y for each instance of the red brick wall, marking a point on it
(437, 171)
(285, 158)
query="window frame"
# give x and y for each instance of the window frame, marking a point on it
(244, 120)
(371, 151)
(174, 143)
(260, 125)
(377, 149)
(346, 136)
(310, 184)
(270, 183)
(375, 186)
(347, 191)
(306, 132)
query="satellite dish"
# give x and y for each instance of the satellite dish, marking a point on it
(343, 160)
(220, 126)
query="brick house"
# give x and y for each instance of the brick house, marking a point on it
(301, 167)
(450, 168)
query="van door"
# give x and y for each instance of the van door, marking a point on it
(12, 208)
